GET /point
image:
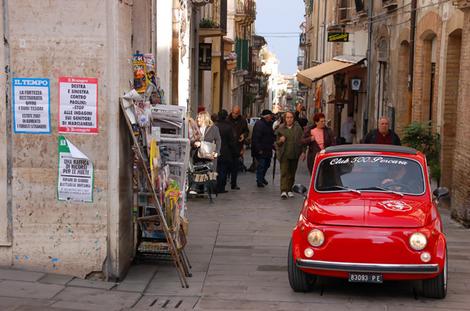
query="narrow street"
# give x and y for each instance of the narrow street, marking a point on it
(238, 248)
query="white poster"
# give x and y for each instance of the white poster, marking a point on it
(75, 182)
(78, 105)
(31, 106)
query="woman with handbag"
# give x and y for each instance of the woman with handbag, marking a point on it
(209, 143)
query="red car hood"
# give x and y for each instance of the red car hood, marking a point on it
(402, 212)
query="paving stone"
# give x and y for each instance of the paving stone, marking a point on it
(10, 303)
(109, 300)
(67, 305)
(91, 284)
(29, 290)
(138, 278)
(19, 275)
(57, 279)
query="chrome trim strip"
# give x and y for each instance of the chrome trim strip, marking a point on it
(368, 267)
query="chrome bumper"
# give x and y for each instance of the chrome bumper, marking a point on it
(368, 267)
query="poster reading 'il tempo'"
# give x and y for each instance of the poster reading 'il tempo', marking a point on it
(31, 106)
(78, 105)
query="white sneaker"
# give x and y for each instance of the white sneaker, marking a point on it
(283, 195)
(290, 194)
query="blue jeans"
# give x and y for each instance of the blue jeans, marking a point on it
(263, 165)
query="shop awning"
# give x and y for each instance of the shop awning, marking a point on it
(339, 63)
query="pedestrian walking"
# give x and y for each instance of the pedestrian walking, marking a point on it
(300, 115)
(262, 145)
(228, 150)
(209, 134)
(289, 149)
(317, 137)
(241, 134)
(383, 134)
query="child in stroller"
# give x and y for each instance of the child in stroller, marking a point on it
(202, 179)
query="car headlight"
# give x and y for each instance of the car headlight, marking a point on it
(316, 238)
(418, 241)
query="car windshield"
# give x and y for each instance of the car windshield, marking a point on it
(370, 173)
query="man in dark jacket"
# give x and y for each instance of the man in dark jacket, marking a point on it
(241, 133)
(262, 145)
(383, 134)
(300, 115)
(228, 151)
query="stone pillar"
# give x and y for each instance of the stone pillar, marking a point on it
(461, 170)
(164, 45)
(4, 140)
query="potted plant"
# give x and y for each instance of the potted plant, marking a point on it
(421, 137)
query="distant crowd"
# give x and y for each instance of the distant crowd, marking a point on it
(219, 140)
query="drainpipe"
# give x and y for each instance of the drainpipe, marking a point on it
(412, 58)
(317, 30)
(365, 125)
(324, 32)
(222, 74)
(8, 119)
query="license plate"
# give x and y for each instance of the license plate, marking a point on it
(366, 278)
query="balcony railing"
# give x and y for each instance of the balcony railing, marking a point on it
(214, 17)
(247, 9)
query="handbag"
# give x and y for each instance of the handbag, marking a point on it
(206, 150)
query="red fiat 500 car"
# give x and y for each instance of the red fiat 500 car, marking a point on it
(369, 216)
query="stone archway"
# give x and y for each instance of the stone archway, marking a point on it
(449, 128)
(403, 114)
(428, 35)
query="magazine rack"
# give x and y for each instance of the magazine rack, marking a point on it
(158, 238)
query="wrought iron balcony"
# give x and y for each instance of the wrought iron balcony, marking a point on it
(213, 20)
(246, 11)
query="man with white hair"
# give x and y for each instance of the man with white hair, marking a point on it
(383, 134)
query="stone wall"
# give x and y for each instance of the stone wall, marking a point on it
(461, 182)
(50, 39)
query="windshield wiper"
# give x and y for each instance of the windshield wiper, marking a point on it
(383, 189)
(340, 188)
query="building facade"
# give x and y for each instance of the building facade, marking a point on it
(89, 39)
(416, 71)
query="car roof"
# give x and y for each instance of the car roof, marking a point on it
(370, 148)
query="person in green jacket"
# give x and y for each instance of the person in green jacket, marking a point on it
(289, 150)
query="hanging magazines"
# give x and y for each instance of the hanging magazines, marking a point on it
(159, 180)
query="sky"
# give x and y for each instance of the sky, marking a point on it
(274, 19)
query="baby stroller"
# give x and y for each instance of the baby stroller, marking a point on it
(201, 179)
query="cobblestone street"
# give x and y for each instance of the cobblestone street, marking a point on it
(238, 251)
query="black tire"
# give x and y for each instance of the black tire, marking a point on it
(298, 280)
(437, 287)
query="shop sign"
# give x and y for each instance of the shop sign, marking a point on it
(338, 37)
(205, 56)
(31, 105)
(78, 105)
(303, 39)
(76, 178)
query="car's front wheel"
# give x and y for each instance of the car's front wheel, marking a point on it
(437, 287)
(298, 280)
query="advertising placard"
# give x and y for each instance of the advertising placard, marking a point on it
(31, 105)
(78, 105)
(76, 178)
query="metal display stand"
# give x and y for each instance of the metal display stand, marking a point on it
(169, 240)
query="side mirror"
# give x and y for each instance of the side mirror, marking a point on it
(440, 192)
(299, 189)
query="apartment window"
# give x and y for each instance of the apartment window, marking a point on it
(344, 10)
